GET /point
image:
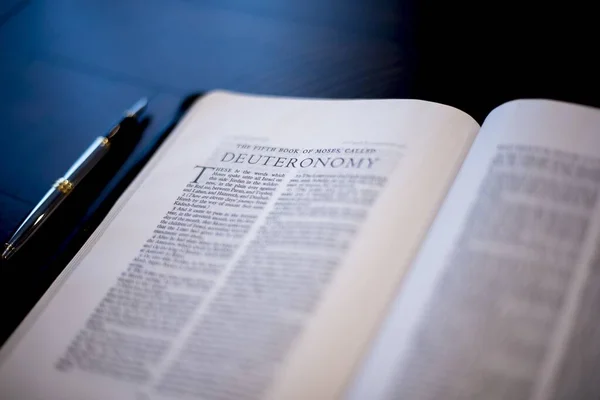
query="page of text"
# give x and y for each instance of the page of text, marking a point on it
(501, 303)
(207, 279)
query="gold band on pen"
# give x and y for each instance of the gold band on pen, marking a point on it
(64, 186)
(105, 142)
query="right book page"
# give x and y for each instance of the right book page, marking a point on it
(501, 300)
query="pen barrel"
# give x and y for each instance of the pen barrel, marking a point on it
(55, 196)
(36, 218)
(87, 161)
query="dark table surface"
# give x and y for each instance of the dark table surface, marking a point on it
(68, 68)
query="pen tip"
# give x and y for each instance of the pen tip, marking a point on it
(138, 108)
(9, 250)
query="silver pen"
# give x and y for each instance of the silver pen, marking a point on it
(63, 186)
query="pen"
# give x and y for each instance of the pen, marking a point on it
(63, 186)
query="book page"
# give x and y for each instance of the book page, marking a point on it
(502, 300)
(234, 264)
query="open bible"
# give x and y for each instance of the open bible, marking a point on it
(280, 248)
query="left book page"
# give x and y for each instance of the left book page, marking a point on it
(233, 265)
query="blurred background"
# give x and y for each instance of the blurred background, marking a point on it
(68, 68)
